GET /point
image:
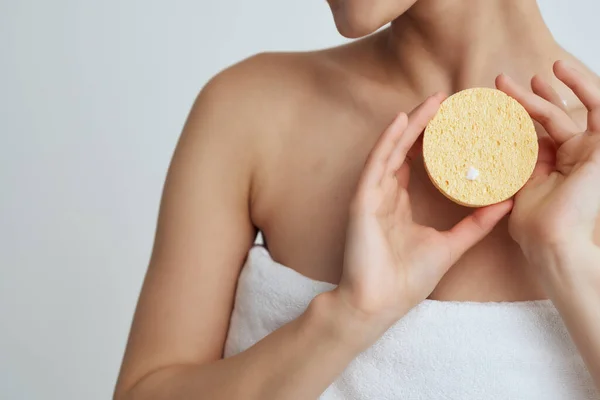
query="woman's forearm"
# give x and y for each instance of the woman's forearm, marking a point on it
(574, 287)
(298, 361)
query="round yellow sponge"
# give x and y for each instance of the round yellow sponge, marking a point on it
(480, 148)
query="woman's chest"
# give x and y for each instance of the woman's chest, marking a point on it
(302, 210)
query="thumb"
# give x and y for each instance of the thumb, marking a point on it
(475, 227)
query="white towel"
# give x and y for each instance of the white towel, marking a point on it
(440, 350)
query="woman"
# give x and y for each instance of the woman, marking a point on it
(290, 144)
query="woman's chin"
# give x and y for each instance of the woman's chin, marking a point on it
(355, 19)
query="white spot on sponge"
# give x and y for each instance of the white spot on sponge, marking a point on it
(472, 173)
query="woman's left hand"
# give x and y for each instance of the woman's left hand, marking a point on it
(555, 214)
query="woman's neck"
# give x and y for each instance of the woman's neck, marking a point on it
(454, 44)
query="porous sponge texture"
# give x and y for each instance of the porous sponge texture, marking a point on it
(487, 130)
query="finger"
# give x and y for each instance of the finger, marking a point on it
(403, 176)
(417, 121)
(475, 227)
(375, 166)
(586, 90)
(546, 161)
(543, 89)
(555, 121)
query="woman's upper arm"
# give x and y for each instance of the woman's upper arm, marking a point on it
(203, 235)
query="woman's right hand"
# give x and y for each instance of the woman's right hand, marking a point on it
(392, 263)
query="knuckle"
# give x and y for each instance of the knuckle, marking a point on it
(548, 115)
(479, 225)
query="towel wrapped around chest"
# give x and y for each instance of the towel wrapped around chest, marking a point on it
(440, 350)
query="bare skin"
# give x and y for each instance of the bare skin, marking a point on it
(278, 143)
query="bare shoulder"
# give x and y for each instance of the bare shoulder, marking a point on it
(265, 89)
(248, 116)
(238, 112)
(268, 89)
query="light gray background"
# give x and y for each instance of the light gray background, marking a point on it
(93, 95)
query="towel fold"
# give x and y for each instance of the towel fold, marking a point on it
(440, 350)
